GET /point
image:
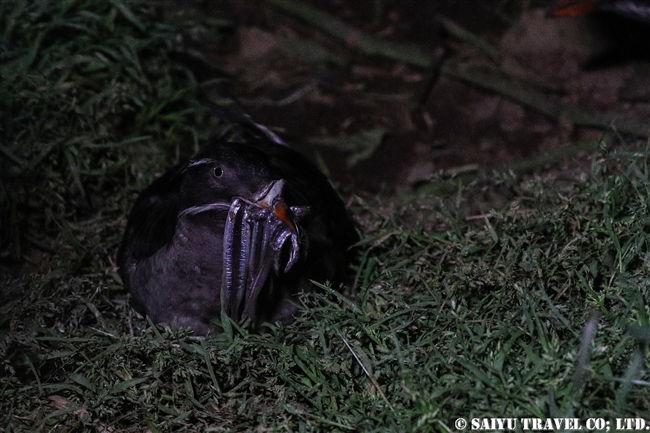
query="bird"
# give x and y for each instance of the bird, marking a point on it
(636, 9)
(242, 228)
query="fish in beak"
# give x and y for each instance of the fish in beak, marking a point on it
(259, 235)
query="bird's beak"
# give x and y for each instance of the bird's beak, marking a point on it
(260, 235)
(271, 198)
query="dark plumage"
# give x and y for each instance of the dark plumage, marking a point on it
(249, 204)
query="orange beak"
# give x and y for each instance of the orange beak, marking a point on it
(281, 213)
(273, 198)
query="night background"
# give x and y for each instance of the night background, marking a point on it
(494, 160)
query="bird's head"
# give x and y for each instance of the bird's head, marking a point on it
(261, 233)
(218, 176)
(222, 173)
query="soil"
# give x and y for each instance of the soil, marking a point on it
(378, 124)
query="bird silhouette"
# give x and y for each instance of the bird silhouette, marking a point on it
(241, 228)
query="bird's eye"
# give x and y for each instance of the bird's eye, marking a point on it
(217, 171)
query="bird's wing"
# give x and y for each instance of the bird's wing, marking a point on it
(152, 222)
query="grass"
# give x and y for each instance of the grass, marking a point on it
(510, 297)
(88, 89)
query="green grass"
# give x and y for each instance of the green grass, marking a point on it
(87, 90)
(511, 297)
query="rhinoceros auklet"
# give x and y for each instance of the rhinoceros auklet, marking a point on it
(243, 227)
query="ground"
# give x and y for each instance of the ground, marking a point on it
(494, 160)
(323, 94)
